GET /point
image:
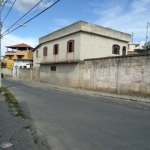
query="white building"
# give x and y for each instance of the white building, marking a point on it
(20, 64)
(58, 53)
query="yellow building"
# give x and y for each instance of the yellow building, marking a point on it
(18, 52)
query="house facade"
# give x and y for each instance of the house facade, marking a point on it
(57, 56)
(20, 56)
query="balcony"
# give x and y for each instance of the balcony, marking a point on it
(10, 53)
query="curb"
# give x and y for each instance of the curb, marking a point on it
(82, 91)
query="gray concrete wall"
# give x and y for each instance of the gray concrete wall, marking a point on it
(129, 75)
(65, 75)
(25, 74)
(36, 74)
(7, 71)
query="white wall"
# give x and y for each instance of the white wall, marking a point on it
(95, 46)
(18, 64)
(62, 56)
(22, 63)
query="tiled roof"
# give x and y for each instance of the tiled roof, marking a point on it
(19, 45)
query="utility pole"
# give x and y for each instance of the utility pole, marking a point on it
(2, 3)
(148, 23)
(132, 38)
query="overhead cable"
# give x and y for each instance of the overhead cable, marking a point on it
(32, 18)
(36, 10)
(22, 17)
(3, 7)
(9, 11)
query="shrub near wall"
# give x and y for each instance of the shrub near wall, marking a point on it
(129, 74)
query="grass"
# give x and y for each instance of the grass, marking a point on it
(12, 102)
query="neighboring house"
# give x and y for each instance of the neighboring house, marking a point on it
(59, 53)
(147, 47)
(134, 49)
(20, 56)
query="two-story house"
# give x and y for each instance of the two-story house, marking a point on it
(20, 56)
(59, 53)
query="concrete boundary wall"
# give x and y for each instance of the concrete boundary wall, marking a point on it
(7, 71)
(130, 75)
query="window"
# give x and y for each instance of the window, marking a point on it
(37, 53)
(116, 49)
(45, 51)
(124, 51)
(55, 49)
(70, 46)
(10, 57)
(24, 66)
(53, 68)
(19, 57)
(20, 66)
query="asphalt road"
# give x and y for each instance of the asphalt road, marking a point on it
(80, 122)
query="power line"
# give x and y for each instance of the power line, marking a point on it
(36, 10)
(32, 18)
(9, 11)
(3, 7)
(22, 16)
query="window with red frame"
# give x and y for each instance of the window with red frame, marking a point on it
(37, 53)
(56, 49)
(70, 46)
(45, 51)
(116, 49)
(124, 51)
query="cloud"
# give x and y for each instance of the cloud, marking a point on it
(60, 23)
(126, 16)
(13, 40)
(25, 5)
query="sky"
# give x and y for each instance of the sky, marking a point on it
(123, 15)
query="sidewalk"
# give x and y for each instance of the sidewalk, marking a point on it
(12, 129)
(82, 91)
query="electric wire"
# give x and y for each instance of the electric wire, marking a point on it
(22, 17)
(9, 11)
(32, 17)
(2, 8)
(36, 10)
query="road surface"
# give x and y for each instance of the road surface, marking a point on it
(81, 122)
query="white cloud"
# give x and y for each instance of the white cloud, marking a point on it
(25, 5)
(60, 23)
(124, 16)
(13, 40)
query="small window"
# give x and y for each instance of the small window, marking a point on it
(20, 66)
(37, 53)
(70, 46)
(19, 57)
(116, 49)
(45, 51)
(56, 49)
(10, 57)
(24, 66)
(124, 51)
(53, 68)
